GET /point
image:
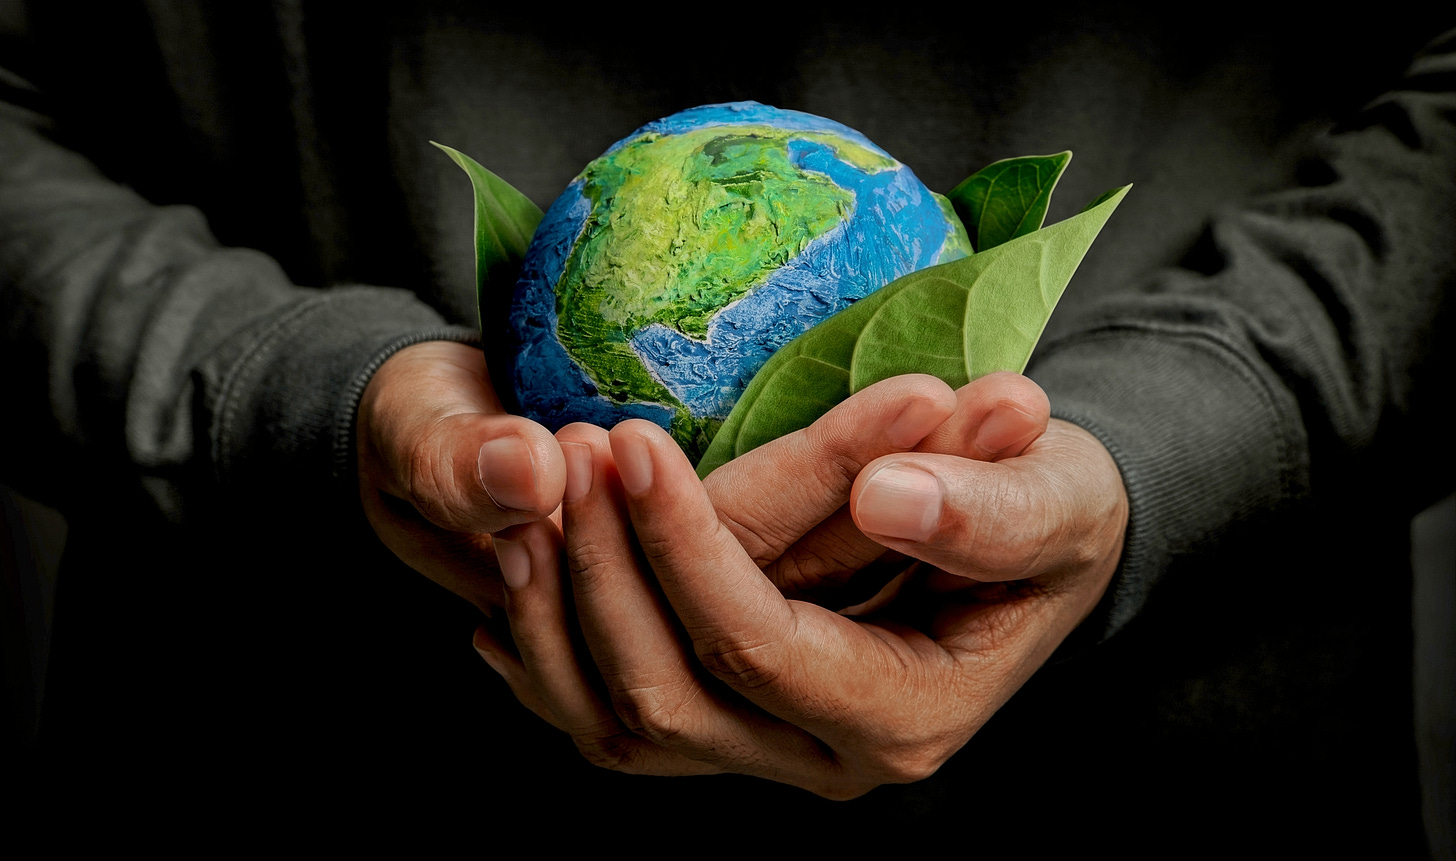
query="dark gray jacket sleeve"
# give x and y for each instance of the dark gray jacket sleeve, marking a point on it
(1305, 348)
(139, 354)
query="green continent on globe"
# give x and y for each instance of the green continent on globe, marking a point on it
(681, 226)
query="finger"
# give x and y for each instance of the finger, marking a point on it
(497, 655)
(462, 562)
(553, 680)
(804, 664)
(835, 565)
(822, 461)
(475, 473)
(432, 432)
(876, 695)
(652, 679)
(1059, 506)
(575, 687)
(698, 560)
(996, 417)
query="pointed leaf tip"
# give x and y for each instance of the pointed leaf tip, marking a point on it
(959, 320)
(1008, 198)
(505, 221)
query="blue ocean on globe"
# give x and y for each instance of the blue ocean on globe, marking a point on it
(669, 271)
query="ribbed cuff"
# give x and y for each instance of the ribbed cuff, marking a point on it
(1203, 442)
(284, 414)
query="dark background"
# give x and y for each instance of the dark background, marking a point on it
(248, 668)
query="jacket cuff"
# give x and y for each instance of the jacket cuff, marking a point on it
(1205, 444)
(288, 391)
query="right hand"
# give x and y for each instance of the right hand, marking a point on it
(815, 549)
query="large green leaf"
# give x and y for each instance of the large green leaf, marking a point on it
(959, 320)
(1008, 198)
(505, 221)
(918, 326)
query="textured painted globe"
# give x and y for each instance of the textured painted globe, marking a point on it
(670, 270)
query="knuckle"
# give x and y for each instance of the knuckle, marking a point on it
(431, 485)
(841, 467)
(1008, 540)
(614, 752)
(911, 766)
(717, 550)
(658, 713)
(911, 760)
(743, 664)
(844, 790)
(761, 533)
(915, 746)
(842, 446)
(658, 723)
(659, 548)
(591, 566)
(836, 455)
(424, 481)
(794, 575)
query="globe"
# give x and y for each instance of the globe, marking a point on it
(678, 261)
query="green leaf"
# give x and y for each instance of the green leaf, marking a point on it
(1008, 198)
(505, 221)
(918, 326)
(1104, 196)
(804, 387)
(823, 359)
(959, 320)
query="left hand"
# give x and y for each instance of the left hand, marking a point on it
(718, 671)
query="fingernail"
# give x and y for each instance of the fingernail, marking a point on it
(914, 422)
(515, 562)
(578, 470)
(634, 462)
(900, 502)
(1006, 426)
(508, 473)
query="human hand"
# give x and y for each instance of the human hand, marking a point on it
(802, 532)
(776, 687)
(1057, 511)
(441, 465)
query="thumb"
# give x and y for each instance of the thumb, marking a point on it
(997, 416)
(963, 516)
(432, 432)
(1058, 506)
(480, 473)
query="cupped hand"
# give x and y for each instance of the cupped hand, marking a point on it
(813, 548)
(442, 465)
(1058, 509)
(693, 661)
